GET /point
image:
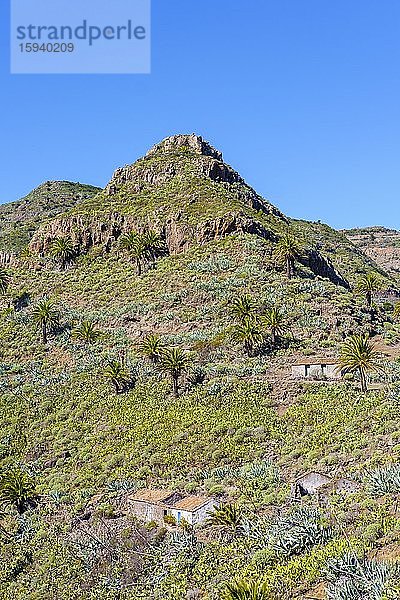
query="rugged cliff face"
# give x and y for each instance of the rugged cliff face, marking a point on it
(183, 190)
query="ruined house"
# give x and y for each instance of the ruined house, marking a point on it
(316, 368)
(155, 505)
(317, 484)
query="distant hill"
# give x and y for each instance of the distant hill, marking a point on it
(379, 243)
(20, 219)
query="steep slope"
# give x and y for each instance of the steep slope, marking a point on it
(19, 220)
(241, 430)
(380, 244)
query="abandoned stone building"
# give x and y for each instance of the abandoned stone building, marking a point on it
(316, 368)
(155, 505)
(317, 484)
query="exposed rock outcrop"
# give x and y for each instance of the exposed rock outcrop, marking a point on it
(178, 234)
(171, 161)
(143, 194)
(178, 143)
(322, 266)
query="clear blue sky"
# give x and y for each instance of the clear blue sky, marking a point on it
(302, 97)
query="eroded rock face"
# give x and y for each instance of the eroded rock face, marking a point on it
(322, 266)
(206, 161)
(178, 234)
(182, 158)
(193, 143)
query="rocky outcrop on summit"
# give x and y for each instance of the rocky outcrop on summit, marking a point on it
(178, 143)
(183, 167)
(183, 190)
(182, 156)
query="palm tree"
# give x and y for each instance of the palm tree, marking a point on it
(358, 355)
(274, 320)
(288, 251)
(174, 361)
(46, 317)
(152, 347)
(243, 308)
(249, 334)
(246, 590)
(227, 515)
(63, 251)
(87, 332)
(18, 489)
(396, 311)
(118, 374)
(368, 284)
(134, 244)
(153, 245)
(4, 281)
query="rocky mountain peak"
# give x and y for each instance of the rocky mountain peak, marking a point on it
(181, 143)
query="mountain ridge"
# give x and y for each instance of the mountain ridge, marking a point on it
(183, 190)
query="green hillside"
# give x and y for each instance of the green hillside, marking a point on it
(240, 430)
(19, 220)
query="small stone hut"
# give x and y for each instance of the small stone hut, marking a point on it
(308, 484)
(316, 368)
(193, 509)
(155, 505)
(315, 483)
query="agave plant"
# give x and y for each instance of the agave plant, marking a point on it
(358, 355)
(219, 473)
(352, 578)
(18, 489)
(175, 361)
(384, 480)
(62, 250)
(152, 347)
(301, 537)
(246, 590)
(287, 251)
(228, 516)
(119, 376)
(87, 332)
(46, 317)
(263, 470)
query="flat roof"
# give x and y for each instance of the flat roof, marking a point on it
(314, 360)
(191, 503)
(305, 475)
(152, 496)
